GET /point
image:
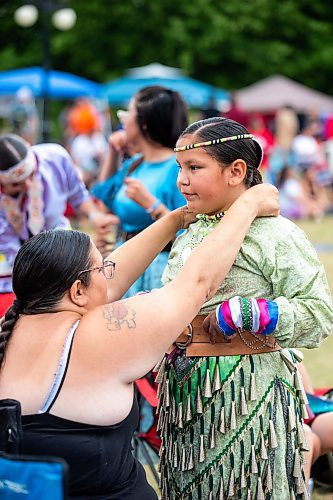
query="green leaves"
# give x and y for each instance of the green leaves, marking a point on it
(226, 43)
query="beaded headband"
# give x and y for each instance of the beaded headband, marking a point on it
(213, 142)
(20, 171)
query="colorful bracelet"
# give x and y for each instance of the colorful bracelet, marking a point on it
(247, 314)
(152, 209)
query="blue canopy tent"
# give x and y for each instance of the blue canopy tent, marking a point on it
(46, 85)
(197, 94)
(53, 84)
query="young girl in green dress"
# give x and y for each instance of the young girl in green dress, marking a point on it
(231, 399)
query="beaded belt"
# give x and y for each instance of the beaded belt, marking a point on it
(195, 340)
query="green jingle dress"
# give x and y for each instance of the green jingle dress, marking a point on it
(231, 426)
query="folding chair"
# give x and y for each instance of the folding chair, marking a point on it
(32, 478)
(24, 476)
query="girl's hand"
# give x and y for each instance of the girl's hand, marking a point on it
(137, 192)
(265, 199)
(210, 325)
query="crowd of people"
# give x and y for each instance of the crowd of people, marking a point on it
(297, 159)
(232, 290)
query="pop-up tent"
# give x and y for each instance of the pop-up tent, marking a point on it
(196, 93)
(54, 84)
(276, 91)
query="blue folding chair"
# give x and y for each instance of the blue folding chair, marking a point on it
(23, 476)
(32, 478)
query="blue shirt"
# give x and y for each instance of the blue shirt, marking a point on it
(161, 181)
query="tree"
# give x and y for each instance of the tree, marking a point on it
(230, 44)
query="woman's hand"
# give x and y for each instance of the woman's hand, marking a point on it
(137, 192)
(210, 325)
(185, 217)
(118, 141)
(265, 199)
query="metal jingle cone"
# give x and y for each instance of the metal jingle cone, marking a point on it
(253, 388)
(180, 416)
(207, 392)
(211, 437)
(167, 394)
(263, 450)
(231, 484)
(243, 483)
(243, 403)
(269, 480)
(233, 421)
(161, 371)
(221, 490)
(297, 465)
(202, 453)
(216, 378)
(254, 465)
(198, 403)
(272, 436)
(190, 459)
(260, 491)
(221, 424)
(188, 415)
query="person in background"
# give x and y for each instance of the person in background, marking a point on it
(70, 350)
(235, 112)
(258, 127)
(145, 188)
(305, 145)
(36, 182)
(24, 115)
(281, 154)
(295, 200)
(88, 145)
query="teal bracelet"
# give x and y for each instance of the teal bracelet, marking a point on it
(153, 207)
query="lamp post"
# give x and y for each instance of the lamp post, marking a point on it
(63, 18)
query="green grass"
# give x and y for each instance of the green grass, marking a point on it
(319, 361)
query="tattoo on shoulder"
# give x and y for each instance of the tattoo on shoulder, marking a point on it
(117, 315)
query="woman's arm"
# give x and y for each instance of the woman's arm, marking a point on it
(136, 191)
(133, 334)
(134, 256)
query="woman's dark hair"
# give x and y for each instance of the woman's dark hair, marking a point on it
(227, 152)
(13, 149)
(45, 267)
(161, 114)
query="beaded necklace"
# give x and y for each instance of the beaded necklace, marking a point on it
(210, 218)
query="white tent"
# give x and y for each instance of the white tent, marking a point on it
(276, 91)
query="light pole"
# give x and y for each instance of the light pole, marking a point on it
(64, 19)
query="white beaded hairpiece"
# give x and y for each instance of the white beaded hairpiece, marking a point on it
(213, 142)
(20, 171)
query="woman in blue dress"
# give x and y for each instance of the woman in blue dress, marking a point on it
(144, 188)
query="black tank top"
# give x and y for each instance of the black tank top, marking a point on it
(100, 459)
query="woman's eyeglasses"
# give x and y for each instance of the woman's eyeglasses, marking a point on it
(107, 269)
